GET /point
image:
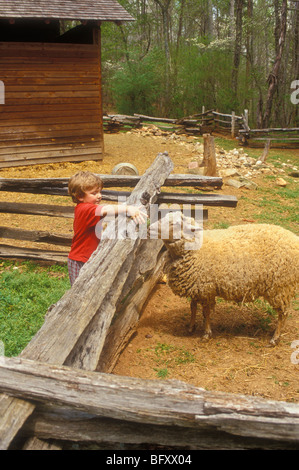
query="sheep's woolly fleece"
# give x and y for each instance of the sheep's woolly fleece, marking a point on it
(240, 263)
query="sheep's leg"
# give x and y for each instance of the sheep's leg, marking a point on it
(206, 311)
(193, 306)
(282, 316)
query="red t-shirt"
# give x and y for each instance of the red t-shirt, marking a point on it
(85, 241)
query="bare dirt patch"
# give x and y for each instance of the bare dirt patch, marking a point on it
(237, 358)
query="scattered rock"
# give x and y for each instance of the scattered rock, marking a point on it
(248, 184)
(281, 182)
(241, 182)
(231, 164)
(227, 172)
(234, 183)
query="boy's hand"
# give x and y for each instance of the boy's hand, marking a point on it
(137, 215)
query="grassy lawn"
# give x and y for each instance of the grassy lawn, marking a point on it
(26, 292)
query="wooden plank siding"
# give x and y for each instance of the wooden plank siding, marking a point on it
(52, 109)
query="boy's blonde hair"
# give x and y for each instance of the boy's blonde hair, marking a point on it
(82, 182)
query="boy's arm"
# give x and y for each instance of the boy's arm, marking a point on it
(131, 211)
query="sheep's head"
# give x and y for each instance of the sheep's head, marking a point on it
(177, 230)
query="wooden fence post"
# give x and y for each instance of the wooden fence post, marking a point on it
(209, 156)
(266, 150)
(233, 124)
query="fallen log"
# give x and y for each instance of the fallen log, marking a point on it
(154, 403)
(94, 294)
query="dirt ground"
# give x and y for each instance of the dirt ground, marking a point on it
(237, 359)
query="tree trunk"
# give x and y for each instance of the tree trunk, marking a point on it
(249, 53)
(237, 49)
(165, 7)
(274, 75)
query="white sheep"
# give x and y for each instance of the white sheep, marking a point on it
(241, 263)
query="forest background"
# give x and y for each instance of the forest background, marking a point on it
(227, 55)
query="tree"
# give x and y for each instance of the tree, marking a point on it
(165, 10)
(225, 54)
(280, 35)
(237, 48)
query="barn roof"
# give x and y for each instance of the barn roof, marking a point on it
(99, 10)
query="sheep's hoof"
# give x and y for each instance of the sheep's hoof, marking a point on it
(273, 342)
(207, 336)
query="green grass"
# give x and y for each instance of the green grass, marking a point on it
(169, 356)
(27, 290)
(275, 205)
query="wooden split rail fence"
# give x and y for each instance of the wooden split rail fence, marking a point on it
(60, 388)
(208, 122)
(58, 186)
(197, 124)
(277, 137)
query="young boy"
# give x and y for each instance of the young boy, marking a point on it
(85, 188)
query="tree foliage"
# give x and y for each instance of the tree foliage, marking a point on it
(180, 55)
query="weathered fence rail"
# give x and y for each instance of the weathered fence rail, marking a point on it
(58, 186)
(95, 407)
(59, 389)
(278, 137)
(212, 121)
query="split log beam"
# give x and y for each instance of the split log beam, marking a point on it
(113, 196)
(16, 252)
(140, 285)
(179, 198)
(94, 294)
(155, 119)
(37, 236)
(67, 426)
(59, 185)
(275, 129)
(49, 210)
(157, 403)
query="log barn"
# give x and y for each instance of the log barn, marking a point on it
(51, 77)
